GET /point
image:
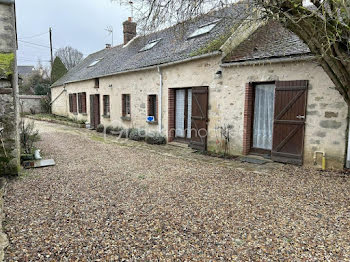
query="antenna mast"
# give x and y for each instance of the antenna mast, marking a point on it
(132, 8)
(109, 29)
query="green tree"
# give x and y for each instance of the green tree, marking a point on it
(58, 70)
(38, 82)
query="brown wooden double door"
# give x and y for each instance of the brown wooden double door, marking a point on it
(279, 120)
(191, 116)
(95, 117)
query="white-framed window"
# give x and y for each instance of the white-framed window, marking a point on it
(204, 29)
(150, 45)
(95, 62)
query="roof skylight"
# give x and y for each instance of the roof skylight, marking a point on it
(204, 29)
(150, 45)
(95, 62)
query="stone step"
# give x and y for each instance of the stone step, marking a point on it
(179, 144)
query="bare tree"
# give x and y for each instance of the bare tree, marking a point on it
(324, 25)
(69, 56)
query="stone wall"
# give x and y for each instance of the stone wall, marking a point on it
(9, 114)
(326, 118)
(30, 104)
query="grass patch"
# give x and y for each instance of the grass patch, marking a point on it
(57, 119)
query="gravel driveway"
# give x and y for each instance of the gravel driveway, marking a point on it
(104, 202)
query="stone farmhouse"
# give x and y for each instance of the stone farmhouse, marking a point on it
(220, 82)
(9, 109)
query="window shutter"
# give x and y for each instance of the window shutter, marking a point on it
(71, 103)
(123, 106)
(79, 103)
(83, 99)
(248, 118)
(149, 105)
(156, 107)
(74, 103)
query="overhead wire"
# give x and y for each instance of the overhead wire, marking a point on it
(35, 44)
(33, 36)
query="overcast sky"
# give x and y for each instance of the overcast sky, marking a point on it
(77, 23)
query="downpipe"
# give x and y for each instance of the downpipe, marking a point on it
(160, 104)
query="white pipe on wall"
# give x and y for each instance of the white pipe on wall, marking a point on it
(160, 100)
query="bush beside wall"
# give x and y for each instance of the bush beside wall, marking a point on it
(155, 139)
(137, 134)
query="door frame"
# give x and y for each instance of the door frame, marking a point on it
(182, 139)
(172, 115)
(254, 150)
(249, 121)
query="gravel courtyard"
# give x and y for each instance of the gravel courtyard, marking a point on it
(108, 202)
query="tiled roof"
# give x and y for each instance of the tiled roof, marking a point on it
(174, 46)
(269, 41)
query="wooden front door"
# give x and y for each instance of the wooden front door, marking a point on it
(95, 119)
(289, 121)
(199, 119)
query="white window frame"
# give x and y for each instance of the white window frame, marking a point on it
(150, 45)
(204, 29)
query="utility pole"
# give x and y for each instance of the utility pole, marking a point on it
(50, 31)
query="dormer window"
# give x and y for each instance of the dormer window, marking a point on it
(150, 45)
(204, 29)
(95, 62)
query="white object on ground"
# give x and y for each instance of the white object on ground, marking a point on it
(44, 163)
(37, 155)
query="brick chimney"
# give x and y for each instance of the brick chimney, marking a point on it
(129, 30)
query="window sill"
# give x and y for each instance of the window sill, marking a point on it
(106, 116)
(84, 114)
(152, 122)
(74, 113)
(126, 118)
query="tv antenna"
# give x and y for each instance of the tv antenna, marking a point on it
(109, 29)
(131, 3)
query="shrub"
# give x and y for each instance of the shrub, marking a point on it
(125, 133)
(100, 128)
(155, 139)
(137, 134)
(28, 137)
(45, 104)
(116, 130)
(109, 129)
